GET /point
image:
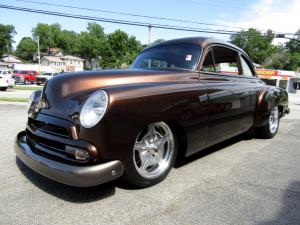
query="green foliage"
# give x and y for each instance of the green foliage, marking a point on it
(26, 48)
(262, 51)
(67, 42)
(7, 33)
(286, 57)
(119, 50)
(257, 46)
(49, 35)
(294, 44)
(89, 43)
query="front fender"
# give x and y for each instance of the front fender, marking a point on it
(132, 108)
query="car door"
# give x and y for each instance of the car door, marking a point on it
(219, 70)
(249, 87)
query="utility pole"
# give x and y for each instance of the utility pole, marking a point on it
(39, 54)
(149, 34)
(8, 52)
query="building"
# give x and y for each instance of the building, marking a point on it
(72, 63)
(54, 62)
(288, 80)
(9, 59)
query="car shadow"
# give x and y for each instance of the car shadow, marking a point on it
(182, 161)
(65, 192)
(290, 207)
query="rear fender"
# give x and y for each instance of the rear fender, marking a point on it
(267, 99)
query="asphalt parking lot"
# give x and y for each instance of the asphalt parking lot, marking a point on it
(240, 181)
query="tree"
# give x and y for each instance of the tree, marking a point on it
(7, 33)
(286, 57)
(26, 48)
(67, 42)
(89, 43)
(119, 49)
(294, 44)
(48, 35)
(95, 30)
(255, 44)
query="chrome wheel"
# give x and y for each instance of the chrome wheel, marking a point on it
(154, 150)
(274, 120)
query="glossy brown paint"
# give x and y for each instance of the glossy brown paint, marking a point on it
(201, 108)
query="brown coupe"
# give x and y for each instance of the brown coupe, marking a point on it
(182, 95)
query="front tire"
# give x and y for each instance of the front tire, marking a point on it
(3, 88)
(152, 157)
(270, 129)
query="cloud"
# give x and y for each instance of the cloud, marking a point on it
(277, 15)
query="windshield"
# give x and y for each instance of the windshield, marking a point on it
(173, 56)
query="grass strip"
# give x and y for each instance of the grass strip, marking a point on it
(8, 99)
(28, 88)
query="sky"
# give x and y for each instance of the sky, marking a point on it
(278, 15)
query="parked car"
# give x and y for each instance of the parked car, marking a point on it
(3, 83)
(92, 127)
(7, 74)
(43, 78)
(25, 76)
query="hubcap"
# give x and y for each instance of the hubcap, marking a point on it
(274, 120)
(153, 150)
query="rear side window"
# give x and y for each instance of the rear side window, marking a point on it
(246, 67)
(221, 60)
(226, 60)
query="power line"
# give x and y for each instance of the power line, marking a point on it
(130, 14)
(124, 22)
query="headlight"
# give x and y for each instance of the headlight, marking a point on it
(30, 101)
(33, 101)
(93, 109)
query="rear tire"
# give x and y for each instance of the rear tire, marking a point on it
(3, 88)
(270, 129)
(152, 157)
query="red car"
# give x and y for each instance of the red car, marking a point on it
(25, 76)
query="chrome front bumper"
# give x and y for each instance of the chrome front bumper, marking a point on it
(78, 176)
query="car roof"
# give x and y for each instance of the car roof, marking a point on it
(202, 41)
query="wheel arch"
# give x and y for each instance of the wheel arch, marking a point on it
(181, 137)
(267, 99)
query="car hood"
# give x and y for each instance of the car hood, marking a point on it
(65, 94)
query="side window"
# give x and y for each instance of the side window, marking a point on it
(4, 72)
(246, 67)
(226, 61)
(208, 64)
